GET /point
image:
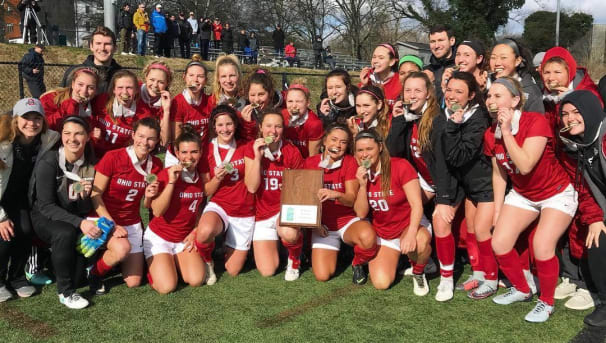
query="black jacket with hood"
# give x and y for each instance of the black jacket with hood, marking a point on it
(591, 147)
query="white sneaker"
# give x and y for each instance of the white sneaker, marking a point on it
(123, 53)
(580, 300)
(530, 280)
(540, 313)
(25, 291)
(420, 287)
(74, 301)
(5, 294)
(565, 289)
(211, 277)
(407, 271)
(512, 296)
(291, 274)
(445, 289)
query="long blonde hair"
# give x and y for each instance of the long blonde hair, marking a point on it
(159, 65)
(221, 61)
(432, 110)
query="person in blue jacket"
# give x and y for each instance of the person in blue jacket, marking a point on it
(158, 21)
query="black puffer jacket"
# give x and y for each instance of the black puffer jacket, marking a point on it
(437, 67)
(30, 61)
(125, 21)
(339, 112)
(532, 94)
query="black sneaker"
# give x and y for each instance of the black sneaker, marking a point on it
(597, 317)
(96, 285)
(359, 275)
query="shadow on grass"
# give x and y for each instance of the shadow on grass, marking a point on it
(590, 334)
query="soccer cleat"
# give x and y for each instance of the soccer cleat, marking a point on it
(96, 285)
(291, 274)
(445, 289)
(597, 317)
(211, 277)
(25, 291)
(38, 279)
(580, 300)
(512, 296)
(5, 294)
(565, 289)
(74, 301)
(420, 287)
(486, 289)
(540, 313)
(359, 275)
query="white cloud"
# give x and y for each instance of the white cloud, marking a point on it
(597, 8)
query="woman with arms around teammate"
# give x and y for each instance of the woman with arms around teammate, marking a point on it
(24, 139)
(61, 203)
(303, 128)
(265, 160)
(232, 207)
(73, 100)
(169, 241)
(520, 146)
(123, 177)
(389, 189)
(339, 219)
(583, 117)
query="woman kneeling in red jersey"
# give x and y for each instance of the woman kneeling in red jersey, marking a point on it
(169, 241)
(389, 187)
(520, 147)
(338, 217)
(232, 207)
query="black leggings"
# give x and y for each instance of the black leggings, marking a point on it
(597, 266)
(16, 251)
(67, 263)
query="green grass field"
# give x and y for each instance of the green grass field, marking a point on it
(250, 308)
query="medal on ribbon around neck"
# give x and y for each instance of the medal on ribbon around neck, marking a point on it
(151, 178)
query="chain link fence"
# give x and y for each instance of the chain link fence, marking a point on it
(13, 87)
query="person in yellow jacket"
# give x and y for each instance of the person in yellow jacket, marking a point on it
(141, 21)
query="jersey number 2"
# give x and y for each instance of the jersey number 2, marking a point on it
(131, 194)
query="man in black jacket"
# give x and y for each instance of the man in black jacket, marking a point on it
(103, 46)
(32, 35)
(172, 34)
(185, 36)
(278, 37)
(32, 65)
(227, 39)
(318, 50)
(125, 27)
(205, 29)
(441, 43)
(243, 42)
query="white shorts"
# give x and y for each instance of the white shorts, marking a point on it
(334, 238)
(154, 245)
(170, 159)
(238, 230)
(425, 185)
(135, 237)
(565, 201)
(395, 243)
(266, 230)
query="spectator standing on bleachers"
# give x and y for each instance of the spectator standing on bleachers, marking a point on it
(141, 22)
(217, 28)
(193, 22)
(318, 50)
(32, 29)
(243, 41)
(32, 65)
(329, 58)
(103, 45)
(160, 26)
(185, 36)
(291, 54)
(125, 27)
(278, 37)
(173, 33)
(206, 28)
(254, 47)
(227, 39)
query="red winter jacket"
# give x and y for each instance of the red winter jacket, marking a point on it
(217, 28)
(290, 51)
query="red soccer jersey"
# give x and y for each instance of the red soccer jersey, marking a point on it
(392, 216)
(232, 195)
(117, 132)
(180, 217)
(55, 114)
(334, 214)
(268, 194)
(197, 116)
(126, 186)
(153, 110)
(548, 178)
(417, 158)
(300, 136)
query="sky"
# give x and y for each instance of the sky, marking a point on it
(595, 7)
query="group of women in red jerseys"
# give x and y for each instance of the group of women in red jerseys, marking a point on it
(400, 167)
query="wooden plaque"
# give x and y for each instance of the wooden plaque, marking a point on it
(299, 203)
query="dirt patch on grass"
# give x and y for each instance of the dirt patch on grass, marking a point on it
(17, 319)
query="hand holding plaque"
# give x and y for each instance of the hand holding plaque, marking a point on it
(299, 202)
